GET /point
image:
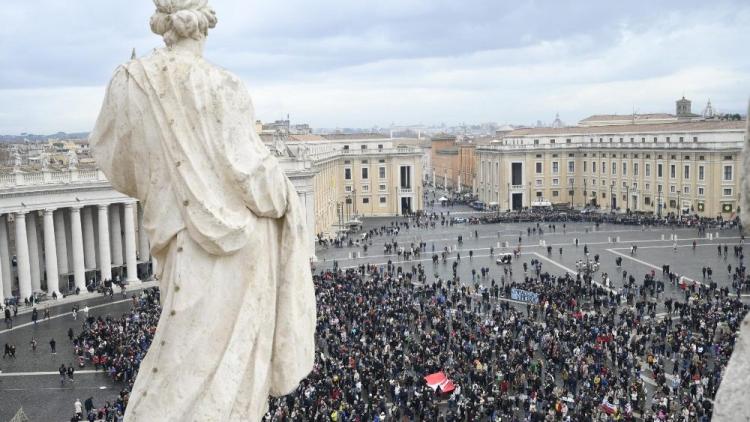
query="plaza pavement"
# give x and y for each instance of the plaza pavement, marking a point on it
(32, 381)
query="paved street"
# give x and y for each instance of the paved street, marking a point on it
(31, 380)
(655, 248)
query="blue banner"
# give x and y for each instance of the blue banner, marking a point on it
(524, 296)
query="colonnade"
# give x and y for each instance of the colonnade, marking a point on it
(77, 242)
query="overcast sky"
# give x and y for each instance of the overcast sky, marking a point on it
(354, 63)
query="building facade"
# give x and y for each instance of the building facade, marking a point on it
(678, 167)
(62, 225)
(453, 163)
(360, 178)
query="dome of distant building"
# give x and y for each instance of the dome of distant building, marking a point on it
(557, 123)
(708, 112)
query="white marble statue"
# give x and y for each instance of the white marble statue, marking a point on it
(224, 223)
(44, 160)
(732, 402)
(17, 161)
(72, 159)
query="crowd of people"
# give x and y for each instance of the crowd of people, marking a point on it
(115, 346)
(581, 351)
(382, 329)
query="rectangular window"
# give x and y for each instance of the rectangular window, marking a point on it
(365, 188)
(687, 172)
(701, 173)
(604, 167)
(381, 172)
(672, 171)
(648, 170)
(363, 147)
(635, 169)
(728, 173)
(672, 189)
(538, 168)
(727, 191)
(659, 172)
(614, 167)
(348, 174)
(624, 169)
(381, 187)
(593, 166)
(555, 167)
(365, 172)
(700, 191)
(571, 166)
(584, 166)
(686, 189)
(365, 200)
(555, 182)
(347, 188)
(554, 192)
(382, 199)
(539, 182)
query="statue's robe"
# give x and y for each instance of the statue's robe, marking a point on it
(227, 230)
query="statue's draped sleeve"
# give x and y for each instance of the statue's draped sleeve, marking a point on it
(111, 141)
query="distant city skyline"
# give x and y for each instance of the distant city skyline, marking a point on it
(341, 64)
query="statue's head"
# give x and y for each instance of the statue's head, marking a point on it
(178, 19)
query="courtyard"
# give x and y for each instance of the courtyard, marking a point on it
(31, 380)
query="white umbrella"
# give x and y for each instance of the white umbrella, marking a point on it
(442, 198)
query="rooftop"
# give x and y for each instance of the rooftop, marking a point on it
(615, 117)
(686, 126)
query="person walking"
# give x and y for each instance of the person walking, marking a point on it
(63, 372)
(8, 318)
(71, 371)
(34, 315)
(78, 409)
(52, 344)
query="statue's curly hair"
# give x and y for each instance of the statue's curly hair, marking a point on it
(178, 19)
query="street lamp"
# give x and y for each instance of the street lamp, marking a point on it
(572, 192)
(627, 197)
(658, 204)
(612, 197)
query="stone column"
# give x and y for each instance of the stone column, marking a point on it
(34, 262)
(89, 242)
(76, 235)
(115, 235)
(22, 257)
(143, 246)
(50, 253)
(130, 260)
(7, 274)
(105, 260)
(61, 243)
